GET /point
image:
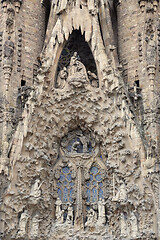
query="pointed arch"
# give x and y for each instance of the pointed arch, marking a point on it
(76, 43)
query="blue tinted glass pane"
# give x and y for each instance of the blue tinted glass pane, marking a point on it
(101, 156)
(59, 194)
(88, 184)
(64, 52)
(98, 178)
(88, 208)
(94, 183)
(88, 195)
(94, 195)
(65, 170)
(65, 195)
(71, 184)
(94, 170)
(69, 178)
(65, 183)
(101, 194)
(101, 184)
(70, 196)
(61, 178)
(69, 147)
(91, 177)
(89, 147)
(58, 184)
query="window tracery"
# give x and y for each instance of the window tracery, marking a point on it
(79, 182)
(65, 185)
(94, 185)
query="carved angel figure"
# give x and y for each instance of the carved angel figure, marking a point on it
(101, 212)
(91, 218)
(93, 79)
(22, 224)
(124, 230)
(59, 211)
(34, 226)
(62, 76)
(121, 194)
(35, 192)
(69, 219)
(133, 225)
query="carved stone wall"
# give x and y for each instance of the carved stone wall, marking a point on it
(80, 120)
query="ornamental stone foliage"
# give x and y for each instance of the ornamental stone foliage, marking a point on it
(79, 120)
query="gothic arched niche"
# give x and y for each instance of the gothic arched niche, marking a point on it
(76, 48)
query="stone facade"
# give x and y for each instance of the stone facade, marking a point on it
(80, 125)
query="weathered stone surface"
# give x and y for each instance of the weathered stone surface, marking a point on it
(79, 122)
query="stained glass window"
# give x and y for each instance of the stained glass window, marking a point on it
(65, 185)
(94, 185)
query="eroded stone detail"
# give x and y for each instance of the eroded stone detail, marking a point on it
(81, 165)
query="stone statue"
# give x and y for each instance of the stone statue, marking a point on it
(124, 231)
(91, 218)
(151, 51)
(35, 192)
(133, 225)
(62, 76)
(121, 194)
(101, 212)
(69, 219)
(10, 20)
(59, 211)
(34, 226)
(75, 146)
(77, 75)
(8, 50)
(84, 141)
(93, 79)
(22, 224)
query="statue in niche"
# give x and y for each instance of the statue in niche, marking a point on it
(133, 225)
(69, 219)
(76, 146)
(35, 226)
(62, 77)
(10, 20)
(77, 75)
(59, 211)
(35, 192)
(121, 195)
(84, 142)
(91, 218)
(22, 224)
(8, 51)
(151, 51)
(101, 212)
(78, 142)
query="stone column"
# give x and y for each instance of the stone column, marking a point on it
(79, 208)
